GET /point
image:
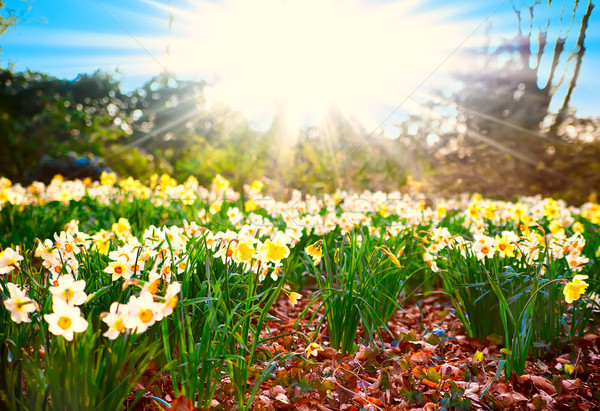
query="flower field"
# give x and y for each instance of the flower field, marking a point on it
(120, 293)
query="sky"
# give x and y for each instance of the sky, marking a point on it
(306, 55)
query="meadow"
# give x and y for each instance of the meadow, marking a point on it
(160, 294)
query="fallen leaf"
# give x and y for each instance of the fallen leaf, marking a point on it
(182, 404)
(540, 383)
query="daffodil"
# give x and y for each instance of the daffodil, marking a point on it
(69, 290)
(9, 259)
(577, 227)
(188, 197)
(313, 349)
(171, 298)
(576, 261)
(257, 186)
(575, 289)
(315, 251)
(390, 255)
(115, 320)
(119, 268)
(384, 211)
(483, 246)
(250, 206)
(276, 249)
(220, 183)
(66, 244)
(19, 304)
(44, 249)
(122, 229)
(102, 241)
(143, 312)
(108, 179)
(245, 250)
(294, 297)
(126, 251)
(215, 207)
(505, 245)
(65, 320)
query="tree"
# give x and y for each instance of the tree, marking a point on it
(506, 140)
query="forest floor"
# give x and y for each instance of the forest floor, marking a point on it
(429, 363)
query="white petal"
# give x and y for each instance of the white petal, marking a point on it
(79, 324)
(68, 334)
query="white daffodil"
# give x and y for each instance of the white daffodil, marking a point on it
(171, 298)
(119, 269)
(66, 244)
(19, 304)
(9, 259)
(115, 320)
(65, 320)
(483, 246)
(69, 290)
(126, 251)
(143, 312)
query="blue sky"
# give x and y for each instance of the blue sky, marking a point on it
(66, 37)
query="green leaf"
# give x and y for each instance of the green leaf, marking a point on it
(433, 375)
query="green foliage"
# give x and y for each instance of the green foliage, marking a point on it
(93, 373)
(218, 327)
(352, 269)
(5, 22)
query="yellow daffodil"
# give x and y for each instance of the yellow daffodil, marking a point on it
(257, 185)
(244, 251)
(384, 211)
(250, 206)
(313, 349)
(575, 289)
(276, 249)
(578, 228)
(215, 207)
(220, 183)
(505, 246)
(122, 228)
(294, 297)
(315, 251)
(390, 255)
(108, 179)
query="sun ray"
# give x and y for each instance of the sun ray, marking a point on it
(309, 56)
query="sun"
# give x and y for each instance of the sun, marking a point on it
(303, 58)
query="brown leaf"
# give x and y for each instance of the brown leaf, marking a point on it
(586, 340)
(182, 404)
(538, 402)
(265, 403)
(540, 383)
(510, 400)
(330, 353)
(366, 353)
(429, 407)
(571, 385)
